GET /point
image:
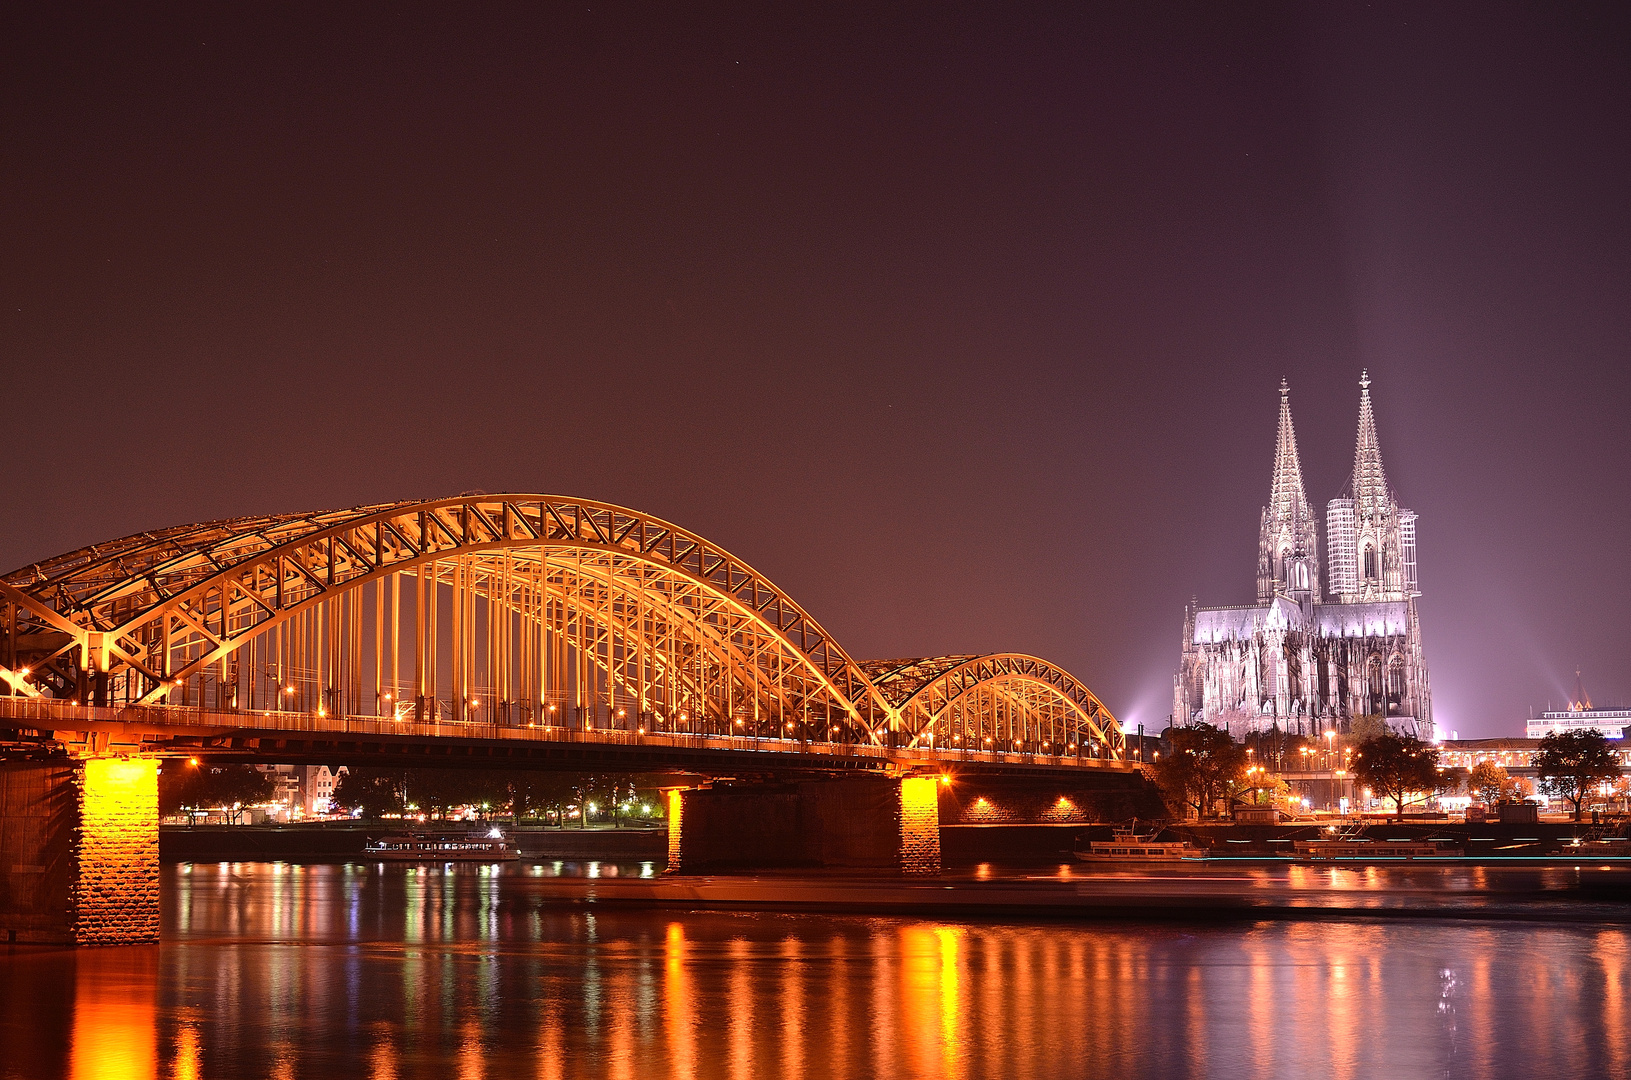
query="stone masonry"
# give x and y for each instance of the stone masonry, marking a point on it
(115, 895)
(919, 825)
(79, 852)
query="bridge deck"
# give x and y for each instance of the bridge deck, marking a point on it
(175, 731)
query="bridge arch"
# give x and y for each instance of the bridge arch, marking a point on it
(1005, 701)
(522, 609)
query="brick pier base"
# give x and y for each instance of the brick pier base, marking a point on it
(872, 823)
(79, 851)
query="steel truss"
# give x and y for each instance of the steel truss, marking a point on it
(514, 609)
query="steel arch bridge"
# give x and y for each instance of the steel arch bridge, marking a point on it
(514, 611)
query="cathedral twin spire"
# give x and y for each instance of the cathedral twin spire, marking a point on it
(1325, 643)
(1371, 542)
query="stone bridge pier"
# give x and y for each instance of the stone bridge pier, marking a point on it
(853, 822)
(79, 851)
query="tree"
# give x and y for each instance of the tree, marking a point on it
(238, 787)
(372, 792)
(1205, 765)
(190, 787)
(1488, 780)
(1570, 762)
(1396, 767)
(181, 789)
(546, 792)
(1367, 727)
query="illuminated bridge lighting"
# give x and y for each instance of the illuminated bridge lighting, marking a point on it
(520, 611)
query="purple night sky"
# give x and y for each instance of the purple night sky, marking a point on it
(965, 326)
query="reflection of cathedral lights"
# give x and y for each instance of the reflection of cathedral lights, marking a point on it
(1303, 659)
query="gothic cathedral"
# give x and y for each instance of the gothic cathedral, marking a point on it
(1306, 659)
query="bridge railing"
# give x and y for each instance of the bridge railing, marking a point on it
(49, 714)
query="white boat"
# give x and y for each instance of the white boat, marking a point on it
(422, 847)
(1126, 846)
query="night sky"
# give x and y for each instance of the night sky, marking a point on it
(965, 326)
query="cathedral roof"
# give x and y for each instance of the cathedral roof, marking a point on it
(1213, 625)
(1217, 625)
(1386, 618)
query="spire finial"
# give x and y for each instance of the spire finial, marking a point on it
(1285, 388)
(1364, 378)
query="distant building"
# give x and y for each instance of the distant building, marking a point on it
(317, 788)
(285, 788)
(1303, 659)
(302, 790)
(1580, 716)
(1516, 756)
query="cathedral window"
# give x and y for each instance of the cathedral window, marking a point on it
(1395, 683)
(1370, 563)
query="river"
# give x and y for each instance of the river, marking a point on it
(334, 972)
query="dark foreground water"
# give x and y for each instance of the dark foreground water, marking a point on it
(342, 972)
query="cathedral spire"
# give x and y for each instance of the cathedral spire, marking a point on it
(1286, 495)
(1370, 489)
(1287, 562)
(1384, 538)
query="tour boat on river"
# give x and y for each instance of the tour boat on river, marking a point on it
(1371, 850)
(420, 847)
(1126, 846)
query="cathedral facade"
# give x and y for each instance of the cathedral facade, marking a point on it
(1316, 649)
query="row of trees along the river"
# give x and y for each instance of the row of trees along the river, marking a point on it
(194, 787)
(552, 797)
(1204, 768)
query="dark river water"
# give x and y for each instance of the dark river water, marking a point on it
(342, 972)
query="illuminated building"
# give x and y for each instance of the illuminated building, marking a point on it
(318, 788)
(1516, 756)
(1306, 659)
(1580, 716)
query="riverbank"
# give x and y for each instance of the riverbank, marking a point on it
(319, 842)
(1477, 842)
(960, 845)
(1183, 893)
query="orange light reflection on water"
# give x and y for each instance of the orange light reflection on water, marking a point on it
(114, 1034)
(462, 980)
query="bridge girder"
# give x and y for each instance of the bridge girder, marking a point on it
(527, 604)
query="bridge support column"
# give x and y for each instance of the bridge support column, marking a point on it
(79, 851)
(864, 823)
